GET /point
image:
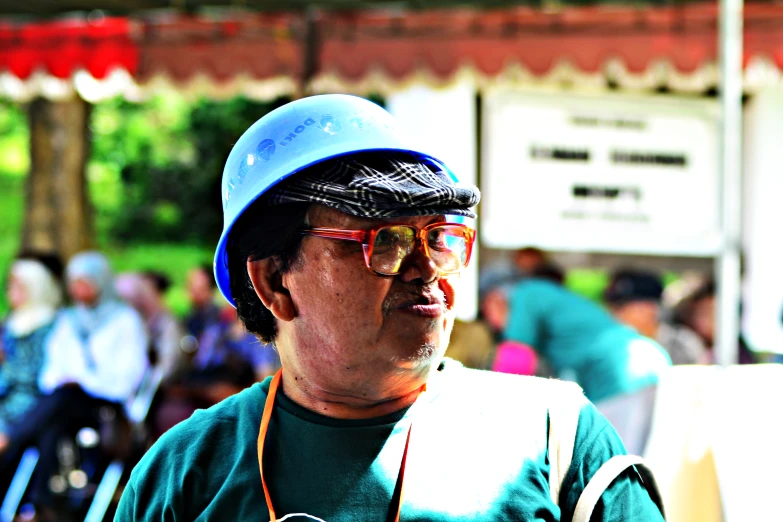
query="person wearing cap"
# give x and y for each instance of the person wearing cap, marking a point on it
(204, 312)
(340, 246)
(617, 367)
(634, 298)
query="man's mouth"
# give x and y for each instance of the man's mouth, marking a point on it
(424, 306)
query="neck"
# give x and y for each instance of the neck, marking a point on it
(344, 407)
(29, 317)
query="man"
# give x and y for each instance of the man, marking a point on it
(203, 310)
(618, 368)
(338, 247)
(634, 298)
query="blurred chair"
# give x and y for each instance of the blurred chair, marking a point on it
(19, 483)
(136, 410)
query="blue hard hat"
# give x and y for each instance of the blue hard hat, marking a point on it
(295, 136)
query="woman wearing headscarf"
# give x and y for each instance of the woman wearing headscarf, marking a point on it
(95, 359)
(100, 343)
(34, 295)
(140, 291)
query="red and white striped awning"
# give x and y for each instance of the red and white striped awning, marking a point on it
(266, 56)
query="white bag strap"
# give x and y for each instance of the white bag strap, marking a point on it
(563, 421)
(604, 477)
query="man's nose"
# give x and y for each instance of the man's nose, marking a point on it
(419, 266)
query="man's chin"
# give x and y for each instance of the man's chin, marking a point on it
(422, 358)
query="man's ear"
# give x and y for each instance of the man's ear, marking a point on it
(268, 284)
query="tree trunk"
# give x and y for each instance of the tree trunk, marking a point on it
(58, 214)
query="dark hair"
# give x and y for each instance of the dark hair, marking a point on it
(206, 269)
(262, 232)
(683, 312)
(549, 271)
(630, 285)
(161, 281)
(50, 260)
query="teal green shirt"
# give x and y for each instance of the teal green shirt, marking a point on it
(581, 341)
(478, 453)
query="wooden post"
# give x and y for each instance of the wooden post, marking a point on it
(58, 214)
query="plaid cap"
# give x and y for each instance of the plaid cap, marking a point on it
(378, 184)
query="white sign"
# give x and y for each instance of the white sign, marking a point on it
(600, 173)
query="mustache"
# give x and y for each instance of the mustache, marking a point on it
(423, 294)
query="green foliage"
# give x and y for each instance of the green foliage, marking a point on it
(589, 282)
(173, 259)
(14, 139)
(11, 212)
(156, 168)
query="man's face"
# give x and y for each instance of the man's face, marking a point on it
(356, 331)
(199, 288)
(703, 318)
(643, 316)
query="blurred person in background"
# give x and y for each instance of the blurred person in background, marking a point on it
(228, 349)
(495, 288)
(696, 310)
(634, 298)
(228, 360)
(617, 367)
(473, 343)
(549, 271)
(159, 280)
(34, 295)
(142, 291)
(95, 359)
(529, 259)
(203, 310)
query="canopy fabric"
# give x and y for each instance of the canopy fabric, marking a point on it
(264, 56)
(47, 58)
(653, 48)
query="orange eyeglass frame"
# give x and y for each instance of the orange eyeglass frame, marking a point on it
(367, 239)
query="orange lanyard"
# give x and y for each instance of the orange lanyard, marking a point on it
(267, 415)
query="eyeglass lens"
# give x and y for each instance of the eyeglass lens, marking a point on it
(447, 245)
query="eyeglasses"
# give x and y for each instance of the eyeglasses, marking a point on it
(447, 245)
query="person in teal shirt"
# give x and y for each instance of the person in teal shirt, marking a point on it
(347, 266)
(480, 454)
(617, 367)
